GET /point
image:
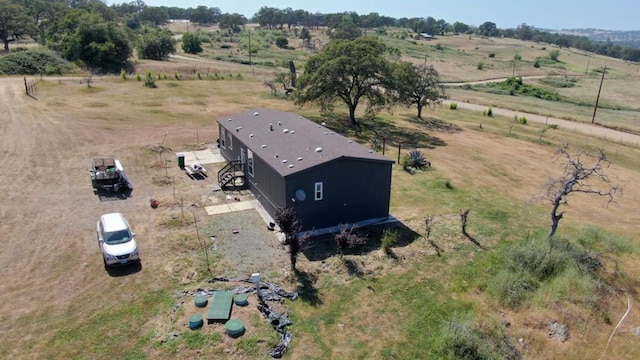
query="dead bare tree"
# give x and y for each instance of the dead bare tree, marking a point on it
(582, 173)
(428, 223)
(464, 217)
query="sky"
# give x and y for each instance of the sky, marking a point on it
(542, 14)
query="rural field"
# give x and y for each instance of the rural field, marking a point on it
(431, 292)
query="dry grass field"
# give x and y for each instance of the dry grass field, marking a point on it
(57, 300)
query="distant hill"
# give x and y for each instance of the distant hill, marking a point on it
(624, 38)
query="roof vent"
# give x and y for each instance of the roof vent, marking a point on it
(256, 113)
(238, 128)
(371, 151)
(350, 141)
(290, 166)
(286, 131)
(285, 161)
(264, 146)
(299, 158)
(229, 119)
(270, 127)
(292, 132)
(324, 123)
(250, 135)
(318, 149)
(279, 123)
(275, 156)
(331, 133)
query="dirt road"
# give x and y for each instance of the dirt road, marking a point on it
(589, 129)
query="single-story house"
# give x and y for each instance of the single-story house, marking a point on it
(289, 161)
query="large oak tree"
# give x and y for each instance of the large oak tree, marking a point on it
(350, 71)
(14, 23)
(417, 85)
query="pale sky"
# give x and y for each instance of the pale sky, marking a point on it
(546, 14)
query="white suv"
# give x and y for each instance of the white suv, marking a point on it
(117, 242)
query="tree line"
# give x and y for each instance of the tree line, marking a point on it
(102, 37)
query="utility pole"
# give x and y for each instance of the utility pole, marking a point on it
(593, 118)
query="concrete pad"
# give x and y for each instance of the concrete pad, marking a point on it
(207, 156)
(243, 205)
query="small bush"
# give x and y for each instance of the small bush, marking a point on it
(282, 42)
(453, 106)
(176, 75)
(523, 120)
(34, 62)
(511, 289)
(389, 238)
(536, 64)
(490, 112)
(199, 75)
(480, 66)
(492, 55)
(149, 80)
(123, 74)
(138, 77)
(439, 46)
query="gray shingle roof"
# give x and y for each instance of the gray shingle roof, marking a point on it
(291, 143)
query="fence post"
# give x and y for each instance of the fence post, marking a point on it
(384, 143)
(26, 88)
(399, 148)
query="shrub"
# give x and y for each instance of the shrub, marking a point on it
(523, 120)
(536, 64)
(490, 112)
(389, 238)
(453, 106)
(191, 43)
(149, 80)
(511, 289)
(348, 238)
(492, 55)
(282, 42)
(176, 75)
(123, 74)
(138, 77)
(480, 66)
(416, 160)
(554, 54)
(33, 62)
(439, 46)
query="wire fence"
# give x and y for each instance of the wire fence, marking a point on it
(31, 87)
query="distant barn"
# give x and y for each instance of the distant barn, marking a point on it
(288, 160)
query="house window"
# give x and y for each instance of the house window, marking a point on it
(318, 191)
(223, 135)
(250, 162)
(230, 140)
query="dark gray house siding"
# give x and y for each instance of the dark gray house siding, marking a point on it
(352, 190)
(288, 165)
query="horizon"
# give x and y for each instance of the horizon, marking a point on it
(617, 15)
